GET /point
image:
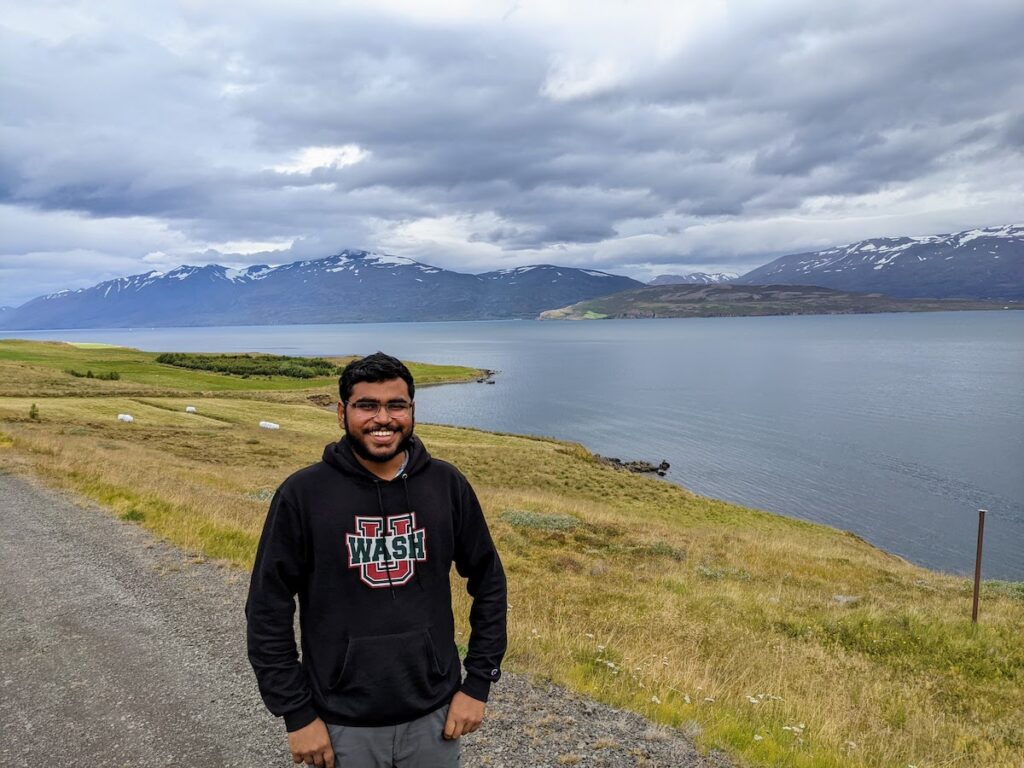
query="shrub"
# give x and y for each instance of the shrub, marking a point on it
(247, 365)
(525, 519)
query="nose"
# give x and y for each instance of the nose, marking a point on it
(382, 415)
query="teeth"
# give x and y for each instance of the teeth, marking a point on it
(382, 433)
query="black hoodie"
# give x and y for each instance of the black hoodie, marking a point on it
(370, 561)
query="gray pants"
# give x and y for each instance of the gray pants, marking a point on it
(419, 743)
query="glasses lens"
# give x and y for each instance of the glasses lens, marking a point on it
(399, 408)
(366, 406)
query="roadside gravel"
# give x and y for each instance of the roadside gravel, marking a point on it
(119, 650)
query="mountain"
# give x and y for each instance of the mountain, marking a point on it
(351, 286)
(728, 300)
(978, 263)
(694, 278)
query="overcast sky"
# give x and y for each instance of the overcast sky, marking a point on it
(637, 138)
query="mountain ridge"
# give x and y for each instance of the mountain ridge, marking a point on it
(983, 263)
(694, 278)
(349, 286)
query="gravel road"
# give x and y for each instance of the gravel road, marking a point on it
(119, 650)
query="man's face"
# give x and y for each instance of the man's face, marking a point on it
(382, 436)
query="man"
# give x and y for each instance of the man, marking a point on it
(366, 538)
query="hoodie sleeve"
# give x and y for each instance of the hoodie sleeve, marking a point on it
(270, 610)
(477, 561)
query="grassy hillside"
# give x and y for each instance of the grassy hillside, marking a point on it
(784, 642)
(40, 368)
(749, 300)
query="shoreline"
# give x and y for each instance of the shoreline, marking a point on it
(488, 376)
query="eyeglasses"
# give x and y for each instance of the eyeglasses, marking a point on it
(372, 407)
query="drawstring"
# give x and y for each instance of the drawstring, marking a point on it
(383, 541)
(408, 508)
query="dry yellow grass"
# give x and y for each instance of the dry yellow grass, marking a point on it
(697, 613)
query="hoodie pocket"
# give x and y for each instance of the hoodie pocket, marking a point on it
(387, 676)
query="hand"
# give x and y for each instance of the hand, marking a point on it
(464, 716)
(312, 745)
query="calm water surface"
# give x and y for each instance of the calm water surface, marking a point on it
(897, 427)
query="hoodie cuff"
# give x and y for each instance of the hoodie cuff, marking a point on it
(476, 687)
(300, 718)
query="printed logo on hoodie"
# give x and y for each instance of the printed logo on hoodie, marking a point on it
(386, 555)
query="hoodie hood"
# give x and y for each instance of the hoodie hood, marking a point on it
(341, 456)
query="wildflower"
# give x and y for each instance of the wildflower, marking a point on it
(709, 699)
(758, 737)
(655, 699)
(686, 698)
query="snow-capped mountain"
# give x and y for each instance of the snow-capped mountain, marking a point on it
(978, 263)
(695, 278)
(351, 286)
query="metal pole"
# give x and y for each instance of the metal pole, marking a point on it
(977, 566)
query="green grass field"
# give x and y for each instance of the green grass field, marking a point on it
(783, 642)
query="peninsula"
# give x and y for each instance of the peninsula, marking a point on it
(732, 300)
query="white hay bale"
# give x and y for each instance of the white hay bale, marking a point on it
(269, 425)
(190, 409)
(125, 417)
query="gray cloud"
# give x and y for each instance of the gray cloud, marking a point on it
(795, 121)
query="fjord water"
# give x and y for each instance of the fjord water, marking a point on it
(898, 427)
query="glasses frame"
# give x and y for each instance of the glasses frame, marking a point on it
(406, 407)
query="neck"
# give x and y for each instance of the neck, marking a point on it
(385, 470)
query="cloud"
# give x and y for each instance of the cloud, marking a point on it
(483, 135)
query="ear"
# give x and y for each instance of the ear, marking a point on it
(341, 416)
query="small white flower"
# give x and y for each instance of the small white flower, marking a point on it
(758, 737)
(655, 699)
(686, 698)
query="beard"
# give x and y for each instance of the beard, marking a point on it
(362, 448)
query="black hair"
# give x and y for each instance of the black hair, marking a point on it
(373, 368)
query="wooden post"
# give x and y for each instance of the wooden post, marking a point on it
(977, 566)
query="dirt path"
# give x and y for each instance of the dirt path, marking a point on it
(119, 650)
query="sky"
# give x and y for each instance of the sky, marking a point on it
(638, 138)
